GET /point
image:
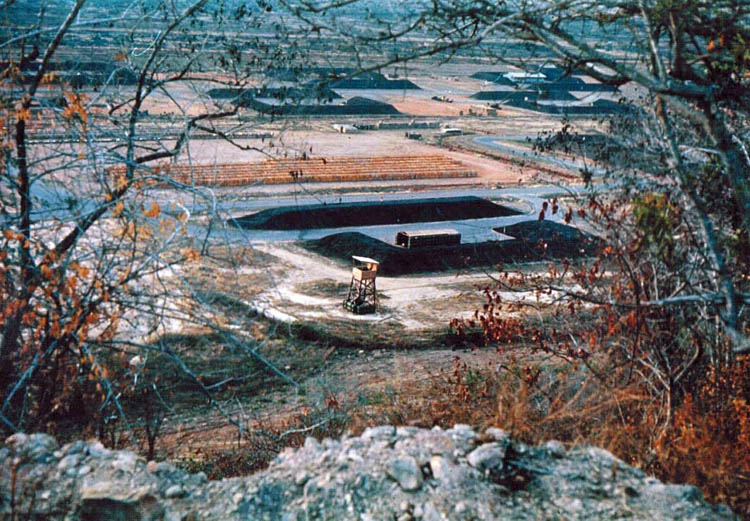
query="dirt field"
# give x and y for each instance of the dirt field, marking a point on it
(414, 303)
(403, 344)
(364, 144)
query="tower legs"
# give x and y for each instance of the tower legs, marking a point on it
(362, 297)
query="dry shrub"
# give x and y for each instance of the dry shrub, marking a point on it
(224, 463)
(261, 444)
(705, 443)
(461, 395)
(709, 442)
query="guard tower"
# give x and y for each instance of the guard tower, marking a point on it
(363, 297)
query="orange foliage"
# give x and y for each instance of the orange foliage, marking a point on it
(23, 114)
(709, 442)
(153, 212)
(60, 307)
(75, 108)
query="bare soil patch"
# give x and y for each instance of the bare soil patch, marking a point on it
(427, 107)
(324, 288)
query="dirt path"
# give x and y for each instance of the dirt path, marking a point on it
(413, 303)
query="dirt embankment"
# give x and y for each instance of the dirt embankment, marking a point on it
(533, 241)
(373, 213)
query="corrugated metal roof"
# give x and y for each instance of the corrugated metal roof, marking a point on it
(367, 260)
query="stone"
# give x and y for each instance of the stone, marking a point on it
(171, 515)
(199, 478)
(125, 461)
(384, 432)
(328, 443)
(41, 445)
(301, 478)
(174, 491)
(498, 434)
(452, 475)
(353, 455)
(679, 492)
(431, 513)
(463, 428)
(287, 452)
(464, 439)
(440, 467)
(68, 462)
(164, 466)
(406, 432)
(555, 448)
(97, 450)
(405, 472)
(487, 457)
(77, 447)
(105, 501)
(34, 447)
(16, 440)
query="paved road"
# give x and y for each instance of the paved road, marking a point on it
(496, 143)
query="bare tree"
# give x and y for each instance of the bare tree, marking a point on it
(90, 259)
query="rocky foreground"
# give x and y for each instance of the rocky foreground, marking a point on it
(387, 473)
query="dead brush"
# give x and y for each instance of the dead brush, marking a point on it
(459, 395)
(709, 442)
(263, 440)
(706, 442)
(545, 400)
